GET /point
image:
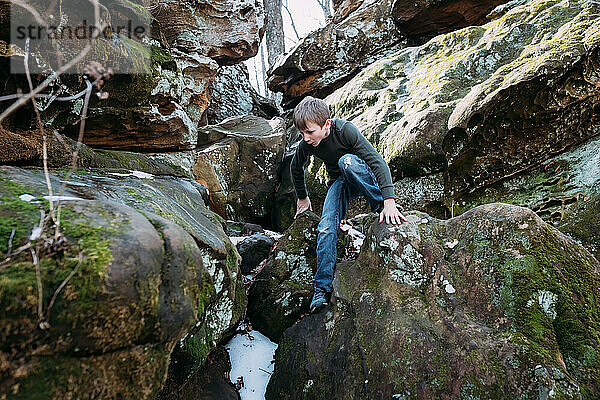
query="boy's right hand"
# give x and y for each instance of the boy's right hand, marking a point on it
(302, 205)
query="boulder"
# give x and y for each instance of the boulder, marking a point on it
(423, 20)
(483, 103)
(27, 147)
(494, 303)
(253, 250)
(161, 90)
(282, 290)
(228, 31)
(211, 382)
(362, 32)
(157, 274)
(238, 161)
(232, 95)
(564, 191)
(330, 56)
(236, 228)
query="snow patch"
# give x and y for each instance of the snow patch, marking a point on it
(252, 356)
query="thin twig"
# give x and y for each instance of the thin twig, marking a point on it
(285, 6)
(40, 127)
(44, 96)
(7, 260)
(63, 284)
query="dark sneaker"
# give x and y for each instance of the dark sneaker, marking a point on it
(319, 300)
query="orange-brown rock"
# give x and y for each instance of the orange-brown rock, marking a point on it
(227, 31)
(15, 147)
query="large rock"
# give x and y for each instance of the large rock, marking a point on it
(158, 273)
(483, 103)
(27, 147)
(491, 304)
(564, 191)
(228, 31)
(282, 291)
(211, 382)
(361, 32)
(253, 250)
(160, 96)
(422, 20)
(232, 95)
(160, 111)
(330, 56)
(238, 162)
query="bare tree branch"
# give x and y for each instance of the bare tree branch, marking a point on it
(285, 6)
(63, 284)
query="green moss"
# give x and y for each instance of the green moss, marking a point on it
(206, 293)
(49, 380)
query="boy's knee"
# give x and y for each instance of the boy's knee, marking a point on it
(347, 161)
(327, 226)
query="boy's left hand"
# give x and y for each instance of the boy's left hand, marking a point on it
(390, 213)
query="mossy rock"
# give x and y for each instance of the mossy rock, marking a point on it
(494, 303)
(146, 279)
(283, 289)
(484, 102)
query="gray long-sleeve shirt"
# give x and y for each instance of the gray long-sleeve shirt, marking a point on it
(344, 138)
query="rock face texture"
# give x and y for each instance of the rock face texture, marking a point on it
(254, 249)
(486, 102)
(282, 291)
(361, 32)
(564, 191)
(492, 304)
(238, 162)
(327, 58)
(233, 95)
(228, 31)
(157, 273)
(422, 20)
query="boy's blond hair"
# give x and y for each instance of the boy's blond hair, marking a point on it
(310, 110)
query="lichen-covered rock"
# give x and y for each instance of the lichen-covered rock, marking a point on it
(232, 95)
(27, 147)
(239, 164)
(158, 272)
(282, 291)
(494, 303)
(361, 32)
(564, 191)
(483, 103)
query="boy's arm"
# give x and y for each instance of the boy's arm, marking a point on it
(365, 150)
(297, 172)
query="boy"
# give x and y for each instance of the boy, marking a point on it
(354, 168)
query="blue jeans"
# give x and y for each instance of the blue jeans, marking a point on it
(357, 179)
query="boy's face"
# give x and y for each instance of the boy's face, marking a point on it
(313, 134)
